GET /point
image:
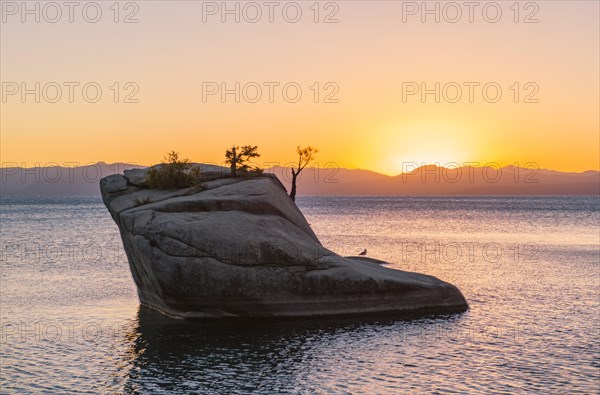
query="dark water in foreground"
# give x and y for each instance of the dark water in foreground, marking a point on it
(529, 267)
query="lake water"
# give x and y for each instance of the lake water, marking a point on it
(528, 266)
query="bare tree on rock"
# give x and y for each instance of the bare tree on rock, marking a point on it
(305, 156)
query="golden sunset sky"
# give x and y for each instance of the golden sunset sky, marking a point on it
(373, 53)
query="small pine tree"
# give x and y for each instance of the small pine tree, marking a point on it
(238, 158)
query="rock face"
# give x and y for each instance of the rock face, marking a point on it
(241, 248)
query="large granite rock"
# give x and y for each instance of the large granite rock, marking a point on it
(241, 248)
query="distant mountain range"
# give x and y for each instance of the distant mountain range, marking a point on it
(434, 180)
(426, 180)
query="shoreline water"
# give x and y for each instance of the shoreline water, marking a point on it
(531, 327)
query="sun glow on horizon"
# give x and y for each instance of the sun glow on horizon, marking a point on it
(430, 142)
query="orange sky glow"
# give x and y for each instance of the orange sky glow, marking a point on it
(507, 91)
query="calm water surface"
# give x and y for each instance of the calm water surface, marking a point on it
(529, 268)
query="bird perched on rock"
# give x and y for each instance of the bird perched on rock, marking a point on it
(364, 252)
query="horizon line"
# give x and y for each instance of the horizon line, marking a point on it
(412, 170)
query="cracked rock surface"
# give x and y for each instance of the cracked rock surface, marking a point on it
(242, 248)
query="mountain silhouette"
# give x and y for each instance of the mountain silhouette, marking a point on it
(425, 180)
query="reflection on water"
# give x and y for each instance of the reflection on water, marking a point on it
(274, 356)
